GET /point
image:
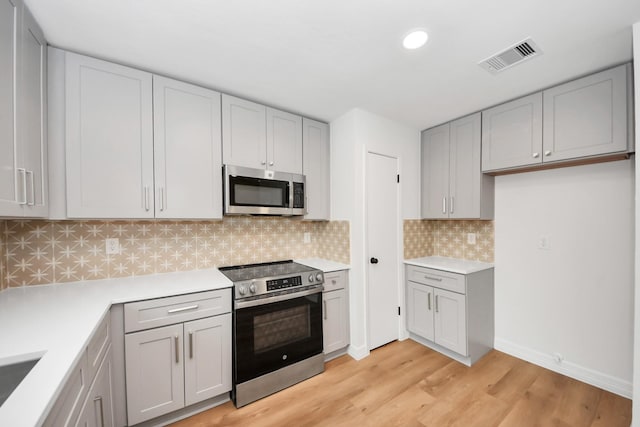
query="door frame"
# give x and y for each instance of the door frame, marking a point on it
(402, 332)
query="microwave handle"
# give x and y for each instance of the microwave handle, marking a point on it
(290, 194)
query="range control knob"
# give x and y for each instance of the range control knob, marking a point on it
(311, 277)
(242, 290)
(252, 288)
(319, 277)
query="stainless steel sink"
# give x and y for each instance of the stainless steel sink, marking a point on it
(12, 375)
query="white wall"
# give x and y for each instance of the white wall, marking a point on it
(636, 357)
(576, 298)
(352, 135)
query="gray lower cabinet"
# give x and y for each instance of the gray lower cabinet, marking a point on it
(453, 185)
(335, 307)
(450, 312)
(582, 120)
(184, 357)
(86, 398)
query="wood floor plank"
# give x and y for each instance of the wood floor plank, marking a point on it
(407, 384)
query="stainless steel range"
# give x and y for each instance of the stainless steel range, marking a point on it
(277, 327)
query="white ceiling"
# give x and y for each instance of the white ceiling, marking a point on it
(322, 58)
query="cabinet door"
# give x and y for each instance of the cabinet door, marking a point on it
(465, 177)
(420, 301)
(512, 134)
(450, 321)
(586, 117)
(98, 407)
(187, 150)
(207, 365)
(154, 373)
(31, 115)
(109, 140)
(315, 166)
(11, 189)
(435, 172)
(284, 141)
(335, 324)
(243, 133)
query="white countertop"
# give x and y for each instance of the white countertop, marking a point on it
(453, 265)
(323, 264)
(56, 322)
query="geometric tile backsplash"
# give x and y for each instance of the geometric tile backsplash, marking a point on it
(40, 252)
(36, 252)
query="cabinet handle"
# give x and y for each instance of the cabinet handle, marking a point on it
(325, 309)
(536, 155)
(429, 301)
(263, 162)
(146, 198)
(178, 310)
(23, 172)
(444, 205)
(436, 303)
(190, 345)
(437, 279)
(177, 345)
(32, 187)
(270, 163)
(99, 400)
(451, 205)
(547, 153)
(161, 191)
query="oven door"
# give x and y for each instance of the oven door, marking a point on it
(270, 336)
(256, 191)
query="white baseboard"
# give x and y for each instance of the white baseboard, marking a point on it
(581, 373)
(358, 353)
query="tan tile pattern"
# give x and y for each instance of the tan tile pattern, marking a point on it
(449, 238)
(40, 252)
(3, 284)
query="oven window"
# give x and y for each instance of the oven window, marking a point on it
(277, 329)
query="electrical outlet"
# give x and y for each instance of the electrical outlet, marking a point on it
(112, 246)
(471, 238)
(544, 242)
(307, 237)
(558, 358)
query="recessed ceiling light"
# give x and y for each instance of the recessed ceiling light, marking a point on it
(415, 39)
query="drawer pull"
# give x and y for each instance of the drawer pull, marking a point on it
(437, 279)
(178, 310)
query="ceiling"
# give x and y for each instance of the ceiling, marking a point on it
(322, 58)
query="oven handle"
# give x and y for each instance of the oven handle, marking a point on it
(262, 301)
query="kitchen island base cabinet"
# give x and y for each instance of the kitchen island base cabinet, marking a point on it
(451, 313)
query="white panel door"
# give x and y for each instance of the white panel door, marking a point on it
(244, 133)
(207, 365)
(451, 321)
(11, 190)
(98, 407)
(420, 302)
(31, 115)
(512, 134)
(464, 167)
(315, 166)
(335, 323)
(187, 150)
(435, 172)
(284, 141)
(382, 235)
(586, 117)
(109, 140)
(155, 372)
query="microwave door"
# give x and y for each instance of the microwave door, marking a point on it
(257, 195)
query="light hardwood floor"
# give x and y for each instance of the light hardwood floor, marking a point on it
(406, 384)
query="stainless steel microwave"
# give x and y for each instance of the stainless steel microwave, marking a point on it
(249, 191)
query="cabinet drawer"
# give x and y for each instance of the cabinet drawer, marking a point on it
(437, 278)
(67, 408)
(335, 280)
(166, 311)
(98, 345)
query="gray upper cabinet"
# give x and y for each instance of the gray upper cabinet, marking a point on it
(187, 155)
(259, 137)
(587, 117)
(315, 166)
(512, 134)
(23, 177)
(453, 185)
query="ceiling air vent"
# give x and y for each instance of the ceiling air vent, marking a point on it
(516, 54)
